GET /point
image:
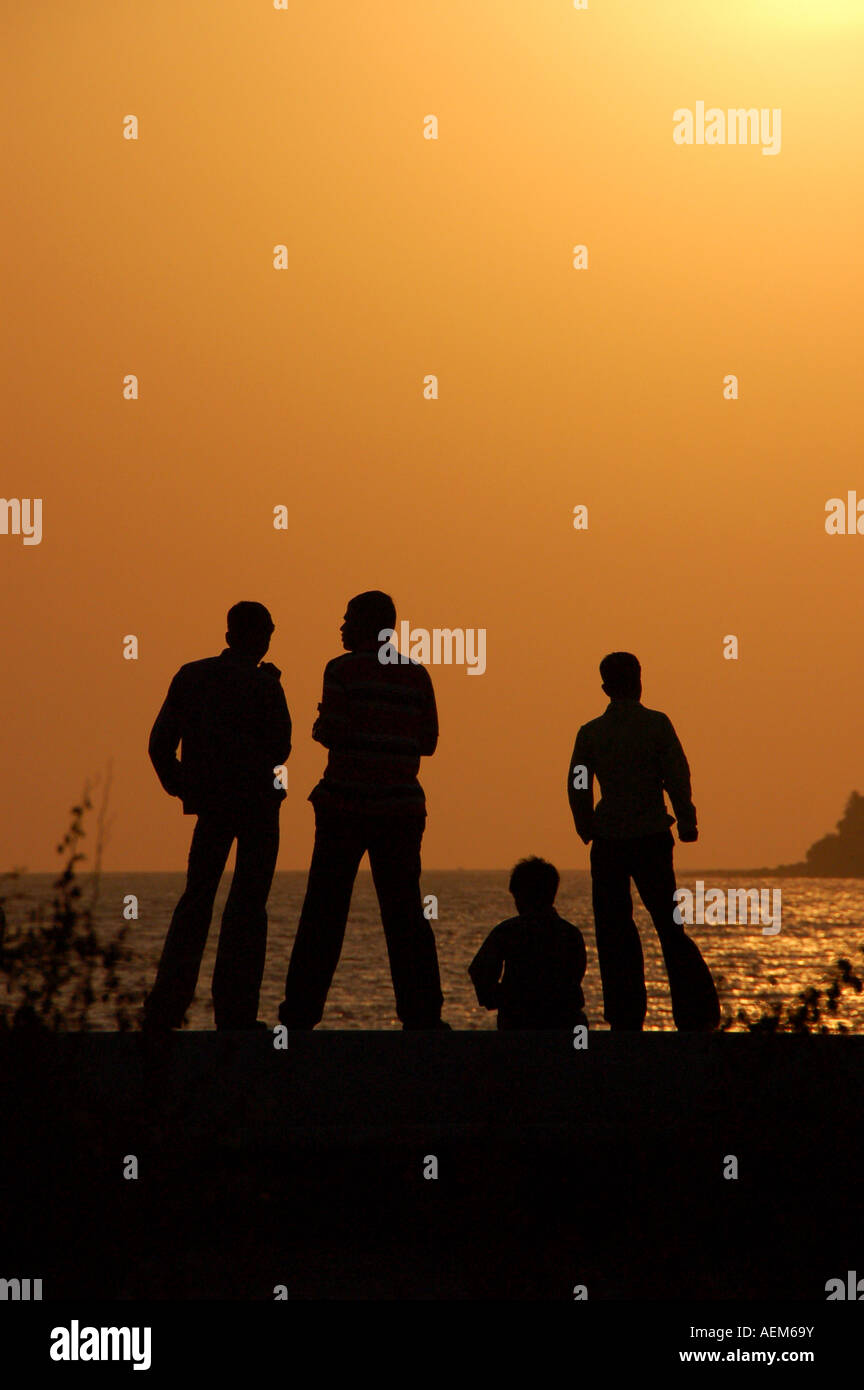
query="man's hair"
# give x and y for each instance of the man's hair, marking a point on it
(535, 881)
(373, 611)
(621, 674)
(248, 620)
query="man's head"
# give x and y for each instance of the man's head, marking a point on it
(250, 628)
(365, 616)
(534, 883)
(621, 675)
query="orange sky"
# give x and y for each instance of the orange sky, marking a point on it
(407, 257)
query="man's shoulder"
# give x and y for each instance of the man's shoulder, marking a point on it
(567, 928)
(407, 668)
(528, 921)
(544, 924)
(591, 726)
(194, 671)
(339, 669)
(362, 666)
(419, 674)
(505, 929)
(656, 717)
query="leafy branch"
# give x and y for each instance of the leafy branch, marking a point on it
(55, 964)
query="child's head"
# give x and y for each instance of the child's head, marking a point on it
(534, 883)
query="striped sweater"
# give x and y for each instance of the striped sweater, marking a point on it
(377, 722)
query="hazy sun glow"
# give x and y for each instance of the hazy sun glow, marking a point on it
(558, 387)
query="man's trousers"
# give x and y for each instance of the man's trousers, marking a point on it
(647, 859)
(243, 935)
(393, 844)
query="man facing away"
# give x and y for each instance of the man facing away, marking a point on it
(377, 721)
(229, 714)
(635, 755)
(530, 967)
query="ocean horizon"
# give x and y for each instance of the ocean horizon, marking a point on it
(821, 921)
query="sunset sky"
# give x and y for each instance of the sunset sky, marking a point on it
(304, 387)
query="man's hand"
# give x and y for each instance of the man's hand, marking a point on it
(688, 835)
(173, 785)
(584, 825)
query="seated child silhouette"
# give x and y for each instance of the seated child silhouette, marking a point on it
(541, 955)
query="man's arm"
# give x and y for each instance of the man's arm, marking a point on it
(581, 798)
(579, 955)
(676, 781)
(331, 726)
(485, 970)
(428, 735)
(280, 719)
(165, 737)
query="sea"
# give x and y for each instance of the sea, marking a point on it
(822, 920)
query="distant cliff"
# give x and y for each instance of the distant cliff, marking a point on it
(839, 854)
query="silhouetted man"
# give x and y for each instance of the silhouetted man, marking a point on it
(635, 755)
(530, 967)
(377, 721)
(229, 714)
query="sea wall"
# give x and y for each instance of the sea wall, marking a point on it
(609, 1168)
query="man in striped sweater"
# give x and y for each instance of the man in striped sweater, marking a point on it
(376, 720)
